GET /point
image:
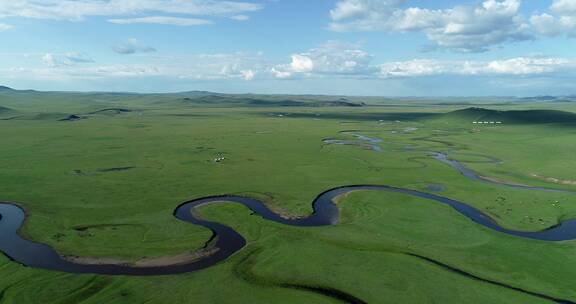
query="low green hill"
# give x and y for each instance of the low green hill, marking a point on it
(5, 110)
(111, 111)
(514, 117)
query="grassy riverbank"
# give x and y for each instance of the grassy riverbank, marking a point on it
(105, 185)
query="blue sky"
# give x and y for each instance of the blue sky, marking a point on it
(352, 47)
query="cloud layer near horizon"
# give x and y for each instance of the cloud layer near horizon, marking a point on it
(329, 60)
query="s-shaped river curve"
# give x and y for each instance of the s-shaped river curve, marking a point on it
(227, 240)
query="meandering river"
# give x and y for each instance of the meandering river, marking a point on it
(227, 241)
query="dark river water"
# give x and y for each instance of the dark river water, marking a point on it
(227, 240)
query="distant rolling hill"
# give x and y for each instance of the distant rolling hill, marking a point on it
(513, 117)
(265, 101)
(111, 111)
(87, 102)
(549, 98)
(193, 98)
(5, 110)
(104, 112)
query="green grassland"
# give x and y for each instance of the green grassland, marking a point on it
(105, 183)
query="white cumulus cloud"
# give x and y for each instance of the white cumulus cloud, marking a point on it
(564, 6)
(463, 28)
(248, 74)
(560, 21)
(520, 66)
(67, 59)
(528, 65)
(132, 46)
(329, 58)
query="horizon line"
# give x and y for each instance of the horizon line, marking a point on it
(8, 88)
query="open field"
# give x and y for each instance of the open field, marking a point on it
(100, 175)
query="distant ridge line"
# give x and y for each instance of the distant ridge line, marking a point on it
(440, 100)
